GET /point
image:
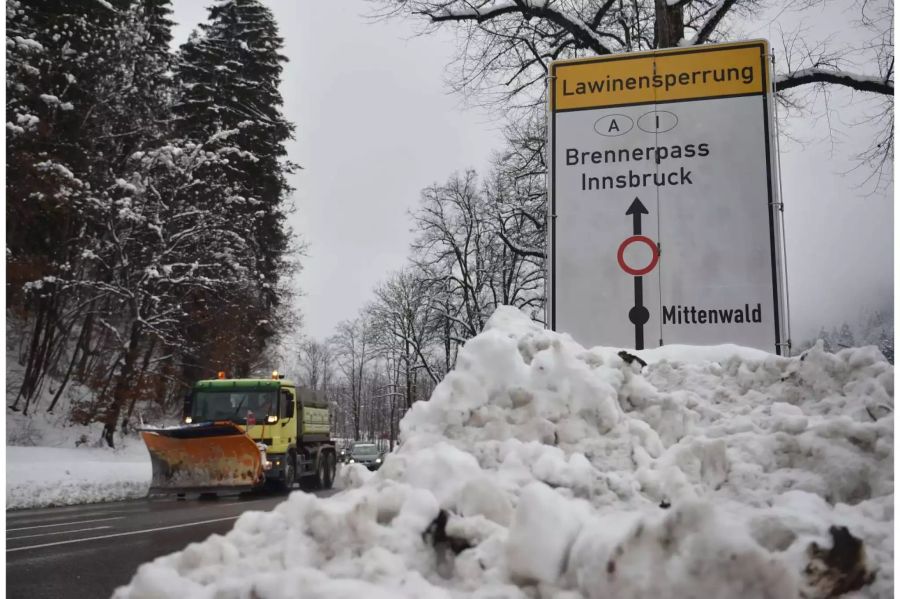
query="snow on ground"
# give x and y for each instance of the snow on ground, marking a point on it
(50, 461)
(541, 469)
(45, 476)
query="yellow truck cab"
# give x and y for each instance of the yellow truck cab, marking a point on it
(290, 424)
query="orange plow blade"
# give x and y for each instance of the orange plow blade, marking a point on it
(202, 458)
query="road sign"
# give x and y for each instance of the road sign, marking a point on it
(664, 222)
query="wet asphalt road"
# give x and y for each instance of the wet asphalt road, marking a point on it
(87, 551)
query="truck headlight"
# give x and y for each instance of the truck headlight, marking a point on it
(352, 460)
(188, 420)
(377, 460)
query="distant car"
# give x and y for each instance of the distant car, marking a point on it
(366, 454)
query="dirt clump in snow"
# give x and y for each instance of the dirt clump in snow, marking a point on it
(840, 569)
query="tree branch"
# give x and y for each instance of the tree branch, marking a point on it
(601, 12)
(578, 29)
(816, 75)
(515, 249)
(710, 26)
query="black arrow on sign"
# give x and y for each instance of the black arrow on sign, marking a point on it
(638, 315)
(636, 210)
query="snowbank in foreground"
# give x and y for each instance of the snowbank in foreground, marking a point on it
(541, 469)
(45, 476)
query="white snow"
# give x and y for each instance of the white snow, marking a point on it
(30, 44)
(126, 186)
(45, 476)
(27, 120)
(831, 72)
(541, 469)
(50, 461)
(50, 99)
(59, 169)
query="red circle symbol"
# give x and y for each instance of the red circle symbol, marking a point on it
(620, 255)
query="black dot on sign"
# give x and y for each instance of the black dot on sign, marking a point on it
(639, 315)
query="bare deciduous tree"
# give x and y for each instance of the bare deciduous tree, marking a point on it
(505, 47)
(353, 350)
(405, 322)
(314, 361)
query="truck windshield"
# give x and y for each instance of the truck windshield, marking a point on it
(364, 450)
(234, 405)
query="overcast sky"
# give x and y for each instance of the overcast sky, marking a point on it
(375, 123)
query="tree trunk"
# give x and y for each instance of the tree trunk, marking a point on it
(97, 358)
(79, 346)
(123, 384)
(356, 411)
(393, 432)
(406, 363)
(65, 380)
(87, 331)
(447, 330)
(140, 379)
(27, 387)
(99, 398)
(171, 394)
(669, 24)
(43, 362)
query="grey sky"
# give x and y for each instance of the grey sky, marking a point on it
(376, 123)
(839, 237)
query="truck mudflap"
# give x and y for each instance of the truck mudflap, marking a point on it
(203, 457)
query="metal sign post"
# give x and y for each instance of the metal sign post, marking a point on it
(662, 196)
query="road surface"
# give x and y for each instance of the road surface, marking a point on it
(89, 550)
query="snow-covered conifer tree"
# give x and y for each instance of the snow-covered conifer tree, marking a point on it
(228, 75)
(71, 125)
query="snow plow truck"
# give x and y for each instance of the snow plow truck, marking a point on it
(243, 434)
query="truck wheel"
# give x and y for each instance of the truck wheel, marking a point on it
(330, 467)
(290, 471)
(320, 470)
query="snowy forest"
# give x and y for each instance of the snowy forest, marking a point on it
(146, 199)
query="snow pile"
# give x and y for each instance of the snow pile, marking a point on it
(541, 469)
(51, 461)
(46, 476)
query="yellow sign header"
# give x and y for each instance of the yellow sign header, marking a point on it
(662, 76)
